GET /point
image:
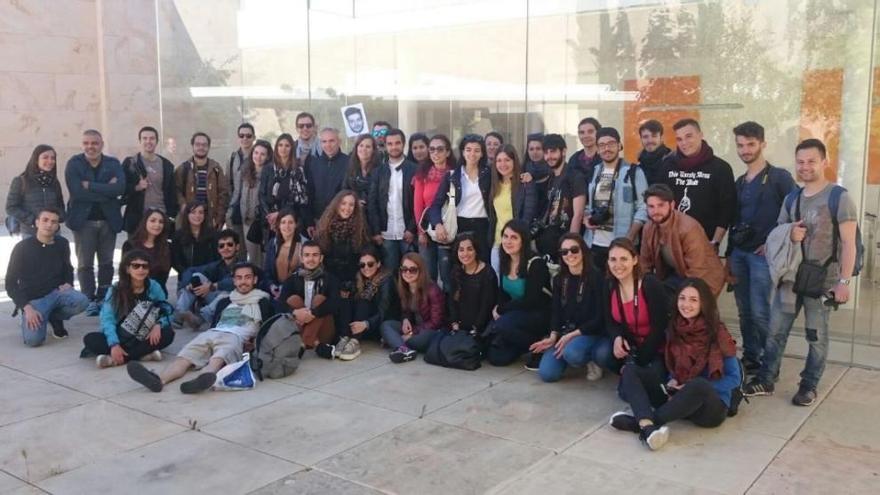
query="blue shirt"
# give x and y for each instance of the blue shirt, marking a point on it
(516, 289)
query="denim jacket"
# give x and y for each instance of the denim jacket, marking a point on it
(628, 207)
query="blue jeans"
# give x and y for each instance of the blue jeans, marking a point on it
(436, 256)
(752, 292)
(95, 238)
(393, 251)
(816, 333)
(579, 351)
(391, 334)
(186, 300)
(56, 305)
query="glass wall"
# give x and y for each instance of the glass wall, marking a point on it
(801, 68)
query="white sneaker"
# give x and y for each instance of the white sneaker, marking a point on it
(340, 347)
(351, 350)
(153, 356)
(104, 361)
(594, 372)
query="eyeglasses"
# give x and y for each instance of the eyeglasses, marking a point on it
(436, 149)
(139, 266)
(367, 264)
(245, 136)
(572, 250)
(409, 269)
(222, 245)
(607, 146)
(305, 125)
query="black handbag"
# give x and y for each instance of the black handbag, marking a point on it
(809, 281)
(255, 233)
(458, 350)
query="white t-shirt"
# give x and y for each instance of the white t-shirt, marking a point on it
(471, 204)
(233, 321)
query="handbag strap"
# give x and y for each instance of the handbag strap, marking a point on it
(834, 234)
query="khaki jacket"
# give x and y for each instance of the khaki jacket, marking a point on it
(218, 190)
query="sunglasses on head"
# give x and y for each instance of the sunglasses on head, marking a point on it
(139, 266)
(222, 245)
(367, 264)
(304, 125)
(245, 136)
(572, 250)
(409, 269)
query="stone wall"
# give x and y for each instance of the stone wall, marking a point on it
(69, 65)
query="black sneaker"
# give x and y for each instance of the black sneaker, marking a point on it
(402, 355)
(145, 377)
(755, 388)
(199, 384)
(85, 353)
(325, 351)
(534, 361)
(624, 421)
(654, 436)
(805, 396)
(58, 330)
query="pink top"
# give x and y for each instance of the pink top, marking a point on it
(644, 321)
(424, 191)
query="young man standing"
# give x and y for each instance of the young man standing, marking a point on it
(149, 181)
(566, 198)
(390, 209)
(653, 150)
(237, 160)
(202, 179)
(237, 321)
(584, 160)
(39, 279)
(702, 182)
(760, 194)
(95, 181)
(825, 242)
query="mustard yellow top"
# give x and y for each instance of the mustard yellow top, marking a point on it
(503, 204)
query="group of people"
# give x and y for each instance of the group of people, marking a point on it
(584, 261)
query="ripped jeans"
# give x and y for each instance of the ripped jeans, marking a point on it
(815, 331)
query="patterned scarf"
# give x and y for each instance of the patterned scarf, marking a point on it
(44, 179)
(310, 275)
(689, 352)
(371, 286)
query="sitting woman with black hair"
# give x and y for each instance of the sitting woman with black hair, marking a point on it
(523, 305)
(372, 302)
(577, 324)
(151, 236)
(135, 318)
(473, 290)
(703, 372)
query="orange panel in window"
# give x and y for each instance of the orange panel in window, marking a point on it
(667, 99)
(874, 139)
(821, 106)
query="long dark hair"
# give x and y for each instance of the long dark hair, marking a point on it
(408, 300)
(417, 136)
(160, 243)
(473, 139)
(565, 272)
(249, 172)
(354, 162)
(629, 246)
(708, 307)
(32, 168)
(205, 232)
(426, 166)
(521, 228)
(381, 274)
(458, 271)
(124, 298)
(292, 158)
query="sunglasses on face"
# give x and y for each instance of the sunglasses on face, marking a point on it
(367, 264)
(222, 245)
(245, 136)
(409, 269)
(139, 266)
(572, 250)
(436, 149)
(304, 125)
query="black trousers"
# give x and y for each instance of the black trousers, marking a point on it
(479, 227)
(696, 401)
(600, 258)
(547, 242)
(96, 343)
(512, 334)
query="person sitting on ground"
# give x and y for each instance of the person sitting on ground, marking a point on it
(39, 279)
(283, 254)
(194, 243)
(637, 308)
(703, 372)
(473, 290)
(421, 308)
(342, 232)
(372, 302)
(312, 295)
(674, 245)
(523, 306)
(577, 327)
(135, 319)
(206, 283)
(151, 235)
(235, 324)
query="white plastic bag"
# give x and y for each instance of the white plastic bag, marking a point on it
(236, 376)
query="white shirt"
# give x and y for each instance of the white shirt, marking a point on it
(396, 225)
(309, 293)
(471, 204)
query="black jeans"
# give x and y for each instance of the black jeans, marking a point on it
(547, 242)
(479, 227)
(600, 257)
(96, 343)
(696, 401)
(512, 334)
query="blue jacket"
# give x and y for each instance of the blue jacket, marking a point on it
(109, 319)
(729, 380)
(100, 191)
(628, 207)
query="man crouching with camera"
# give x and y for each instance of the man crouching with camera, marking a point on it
(614, 207)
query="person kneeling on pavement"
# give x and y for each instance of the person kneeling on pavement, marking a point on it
(135, 318)
(236, 322)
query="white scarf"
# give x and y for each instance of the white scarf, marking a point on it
(250, 303)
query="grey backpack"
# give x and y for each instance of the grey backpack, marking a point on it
(279, 348)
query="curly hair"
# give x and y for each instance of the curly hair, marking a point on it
(330, 218)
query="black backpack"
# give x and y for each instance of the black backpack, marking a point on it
(458, 350)
(736, 395)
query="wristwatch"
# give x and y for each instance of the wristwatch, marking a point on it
(844, 281)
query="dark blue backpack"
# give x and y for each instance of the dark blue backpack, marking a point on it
(833, 206)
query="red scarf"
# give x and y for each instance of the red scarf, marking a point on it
(689, 162)
(688, 350)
